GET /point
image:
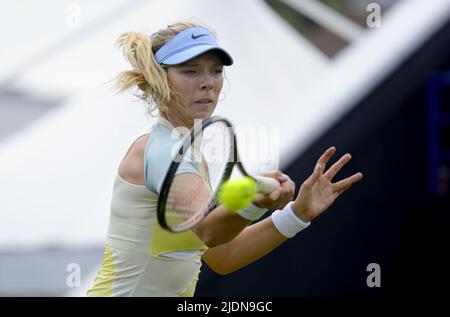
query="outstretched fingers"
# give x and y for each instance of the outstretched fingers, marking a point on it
(345, 184)
(323, 160)
(336, 167)
(320, 166)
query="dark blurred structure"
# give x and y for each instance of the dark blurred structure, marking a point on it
(327, 40)
(396, 217)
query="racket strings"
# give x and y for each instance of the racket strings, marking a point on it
(193, 193)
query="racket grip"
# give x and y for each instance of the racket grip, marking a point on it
(265, 185)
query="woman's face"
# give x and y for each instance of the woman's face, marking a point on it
(199, 81)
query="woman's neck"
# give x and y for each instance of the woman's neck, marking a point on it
(177, 122)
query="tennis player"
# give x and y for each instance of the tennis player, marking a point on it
(179, 71)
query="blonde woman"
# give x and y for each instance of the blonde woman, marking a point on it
(179, 71)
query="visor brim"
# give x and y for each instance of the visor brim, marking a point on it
(196, 51)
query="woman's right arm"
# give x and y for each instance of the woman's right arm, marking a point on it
(220, 226)
(190, 195)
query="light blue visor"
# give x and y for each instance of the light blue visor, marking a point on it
(189, 44)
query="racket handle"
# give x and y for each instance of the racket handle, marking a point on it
(265, 185)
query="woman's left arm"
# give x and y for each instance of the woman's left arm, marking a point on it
(316, 194)
(252, 243)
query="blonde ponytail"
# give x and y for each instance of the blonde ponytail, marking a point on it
(147, 74)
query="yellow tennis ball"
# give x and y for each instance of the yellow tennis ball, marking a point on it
(236, 194)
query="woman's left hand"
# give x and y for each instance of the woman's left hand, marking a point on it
(317, 193)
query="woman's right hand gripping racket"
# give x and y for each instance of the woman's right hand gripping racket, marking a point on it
(202, 164)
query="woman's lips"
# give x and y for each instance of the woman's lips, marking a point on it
(204, 101)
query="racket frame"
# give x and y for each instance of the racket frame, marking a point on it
(186, 143)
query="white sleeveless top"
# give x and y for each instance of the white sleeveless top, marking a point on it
(141, 258)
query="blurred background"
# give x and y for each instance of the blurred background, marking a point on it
(369, 77)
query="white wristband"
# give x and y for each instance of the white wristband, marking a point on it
(287, 223)
(252, 212)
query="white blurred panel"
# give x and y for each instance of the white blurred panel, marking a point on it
(31, 30)
(56, 175)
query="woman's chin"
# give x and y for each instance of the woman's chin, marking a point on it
(202, 114)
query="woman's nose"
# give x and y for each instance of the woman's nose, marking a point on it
(207, 82)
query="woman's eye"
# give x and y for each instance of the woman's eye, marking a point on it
(218, 71)
(189, 71)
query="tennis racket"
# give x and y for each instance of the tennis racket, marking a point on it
(203, 162)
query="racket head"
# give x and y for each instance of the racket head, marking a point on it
(201, 164)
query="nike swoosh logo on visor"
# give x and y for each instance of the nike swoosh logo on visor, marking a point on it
(194, 37)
